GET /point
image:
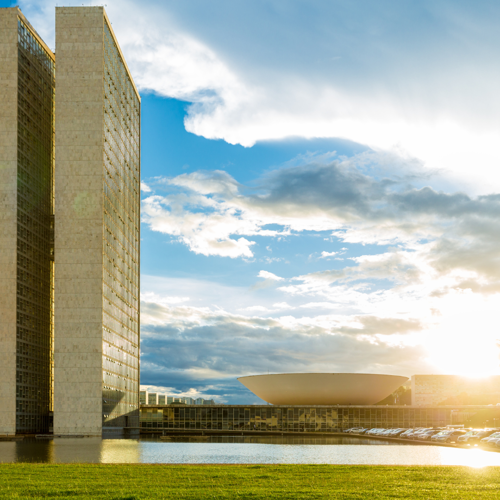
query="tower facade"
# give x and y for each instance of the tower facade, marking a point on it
(27, 72)
(97, 210)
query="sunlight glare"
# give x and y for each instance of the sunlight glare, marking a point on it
(465, 342)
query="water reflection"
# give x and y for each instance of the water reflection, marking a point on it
(241, 449)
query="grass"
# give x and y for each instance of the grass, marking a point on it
(134, 482)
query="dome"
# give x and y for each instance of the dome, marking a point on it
(323, 388)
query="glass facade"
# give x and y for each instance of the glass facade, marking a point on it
(121, 241)
(291, 418)
(35, 208)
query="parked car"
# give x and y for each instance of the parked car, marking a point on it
(399, 432)
(358, 430)
(491, 443)
(440, 434)
(394, 432)
(385, 432)
(355, 430)
(474, 440)
(374, 432)
(410, 434)
(474, 436)
(449, 437)
(418, 432)
(484, 441)
(406, 433)
(426, 436)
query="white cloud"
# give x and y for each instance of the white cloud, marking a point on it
(162, 299)
(145, 188)
(282, 305)
(207, 234)
(269, 276)
(324, 70)
(256, 309)
(326, 255)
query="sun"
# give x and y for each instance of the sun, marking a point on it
(466, 341)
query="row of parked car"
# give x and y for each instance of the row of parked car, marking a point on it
(484, 438)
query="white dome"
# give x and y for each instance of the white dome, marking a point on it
(323, 388)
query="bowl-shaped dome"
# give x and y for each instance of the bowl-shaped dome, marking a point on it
(322, 388)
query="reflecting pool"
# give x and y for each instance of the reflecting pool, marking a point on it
(241, 450)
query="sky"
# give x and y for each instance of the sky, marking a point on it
(320, 187)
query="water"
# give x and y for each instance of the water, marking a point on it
(241, 450)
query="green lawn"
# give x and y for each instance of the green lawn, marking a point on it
(246, 481)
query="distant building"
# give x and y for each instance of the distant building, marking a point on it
(154, 398)
(454, 390)
(151, 398)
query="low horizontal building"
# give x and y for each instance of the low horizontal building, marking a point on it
(454, 389)
(154, 398)
(267, 418)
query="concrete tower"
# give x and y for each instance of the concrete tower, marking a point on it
(26, 221)
(97, 186)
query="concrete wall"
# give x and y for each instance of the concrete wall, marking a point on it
(78, 221)
(8, 218)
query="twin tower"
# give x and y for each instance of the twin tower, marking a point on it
(69, 228)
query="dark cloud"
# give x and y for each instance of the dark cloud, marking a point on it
(209, 358)
(341, 190)
(463, 232)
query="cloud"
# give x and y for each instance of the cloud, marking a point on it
(269, 276)
(373, 325)
(256, 309)
(432, 233)
(326, 255)
(282, 305)
(438, 252)
(316, 69)
(145, 188)
(270, 280)
(213, 347)
(204, 233)
(397, 266)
